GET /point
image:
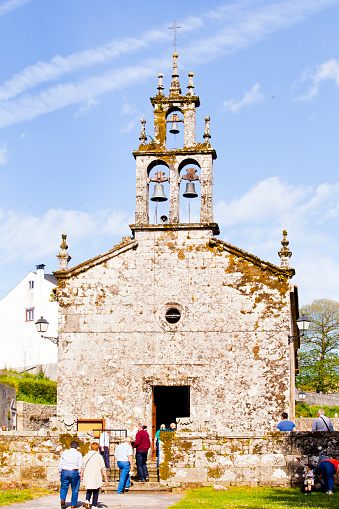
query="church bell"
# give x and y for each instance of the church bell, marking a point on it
(174, 129)
(190, 190)
(158, 193)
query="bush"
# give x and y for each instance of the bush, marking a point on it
(304, 410)
(39, 390)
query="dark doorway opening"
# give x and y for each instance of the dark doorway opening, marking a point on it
(169, 403)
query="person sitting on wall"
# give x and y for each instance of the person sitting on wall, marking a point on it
(172, 427)
(142, 444)
(329, 469)
(285, 424)
(156, 441)
(70, 468)
(104, 447)
(322, 423)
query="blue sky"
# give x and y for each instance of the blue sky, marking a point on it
(75, 80)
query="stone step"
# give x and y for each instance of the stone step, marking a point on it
(137, 487)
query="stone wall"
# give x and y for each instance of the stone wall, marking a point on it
(305, 423)
(229, 347)
(188, 458)
(34, 456)
(35, 417)
(314, 398)
(7, 395)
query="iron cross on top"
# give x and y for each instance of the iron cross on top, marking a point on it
(175, 28)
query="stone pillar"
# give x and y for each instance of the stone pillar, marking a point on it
(206, 180)
(174, 194)
(142, 192)
(189, 126)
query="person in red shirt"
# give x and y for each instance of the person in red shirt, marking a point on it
(142, 444)
(329, 469)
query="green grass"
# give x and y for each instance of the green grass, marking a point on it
(255, 498)
(16, 496)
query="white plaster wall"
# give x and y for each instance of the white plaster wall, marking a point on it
(20, 344)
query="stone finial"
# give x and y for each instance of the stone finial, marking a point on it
(63, 256)
(285, 254)
(190, 85)
(175, 85)
(143, 136)
(160, 84)
(207, 128)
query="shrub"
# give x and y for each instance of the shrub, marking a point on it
(39, 390)
(305, 410)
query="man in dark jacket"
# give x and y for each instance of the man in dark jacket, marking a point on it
(142, 444)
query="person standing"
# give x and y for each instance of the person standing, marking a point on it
(285, 424)
(69, 468)
(142, 444)
(156, 441)
(124, 457)
(329, 469)
(92, 470)
(322, 423)
(104, 447)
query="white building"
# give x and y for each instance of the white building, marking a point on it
(21, 345)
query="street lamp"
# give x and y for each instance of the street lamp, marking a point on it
(42, 326)
(302, 395)
(303, 324)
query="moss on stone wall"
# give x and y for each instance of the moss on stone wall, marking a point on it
(66, 439)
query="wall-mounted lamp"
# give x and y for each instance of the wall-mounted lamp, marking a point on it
(42, 326)
(303, 324)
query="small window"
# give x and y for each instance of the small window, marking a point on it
(31, 285)
(173, 315)
(29, 315)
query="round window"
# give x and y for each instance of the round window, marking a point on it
(173, 315)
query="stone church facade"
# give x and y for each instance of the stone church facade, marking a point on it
(173, 322)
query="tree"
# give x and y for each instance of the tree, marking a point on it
(319, 352)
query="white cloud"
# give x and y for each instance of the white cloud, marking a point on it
(327, 71)
(250, 97)
(41, 235)
(233, 26)
(10, 5)
(43, 72)
(129, 126)
(256, 219)
(85, 91)
(3, 154)
(86, 108)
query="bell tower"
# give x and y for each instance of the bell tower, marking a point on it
(173, 165)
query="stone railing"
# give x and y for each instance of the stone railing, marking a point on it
(193, 459)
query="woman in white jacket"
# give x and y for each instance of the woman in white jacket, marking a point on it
(92, 470)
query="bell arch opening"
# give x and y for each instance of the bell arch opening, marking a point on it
(190, 192)
(158, 173)
(174, 129)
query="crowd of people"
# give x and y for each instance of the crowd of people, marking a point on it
(90, 469)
